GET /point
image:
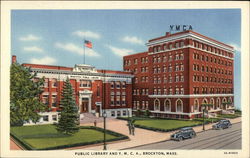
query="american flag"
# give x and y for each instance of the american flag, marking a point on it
(87, 44)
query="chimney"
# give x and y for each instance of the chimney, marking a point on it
(13, 59)
(167, 33)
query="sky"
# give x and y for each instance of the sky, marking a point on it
(56, 37)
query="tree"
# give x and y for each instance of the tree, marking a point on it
(69, 119)
(147, 113)
(25, 89)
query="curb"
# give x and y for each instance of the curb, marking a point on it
(167, 139)
(14, 141)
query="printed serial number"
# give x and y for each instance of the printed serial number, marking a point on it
(231, 152)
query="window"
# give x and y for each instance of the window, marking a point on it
(177, 45)
(167, 105)
(135, 61)
(177, 57)
(182, 90)
(113, 113)
(54, 83)
(170, 46)
(165, 91)
(157, 105)
(164, 69)
(54, 100)
(164, 58)
(181, 56)
(136, 80)
(124, 113)
(112, 100)
(85, 83)
(123, 85)
(179, 106)
(170, 91)
(176, 90)
(54, 117)
(159, 59)
(176, 67)
(117, 84)
(170, 58)
(118, 113)
(46, 118)
(182, 67)
(118, 100)
(98, 91)
(143, 104)
(170, 79)
(159, 91)
(182, 44)
(135, 71)
(169, 68)
(46, 83)
(176, 78)
(182, 78)
(45, 99)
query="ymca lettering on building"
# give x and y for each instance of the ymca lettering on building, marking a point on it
(176, 75)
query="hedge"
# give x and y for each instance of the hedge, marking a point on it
(164, 130)
(120, 137)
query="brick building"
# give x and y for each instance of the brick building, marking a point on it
(91, 87)
(180, 72)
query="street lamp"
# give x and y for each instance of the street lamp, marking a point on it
(203, 112)
(104, 141)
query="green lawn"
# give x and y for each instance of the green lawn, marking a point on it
(229, 115)
(46, 136)
(165, 124)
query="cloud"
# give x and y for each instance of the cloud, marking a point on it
(236, 47)
(88, 34)
(45, 60)
(33, 49)
(76, 49)
(133, 40)
(120, 51)
(29, 37)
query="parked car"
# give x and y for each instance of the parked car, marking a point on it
(184, 133)
(222, 124)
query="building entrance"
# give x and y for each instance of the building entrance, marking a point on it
(85, 104)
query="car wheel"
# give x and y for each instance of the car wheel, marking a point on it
(192, 135)
(180, 139)
(229, 126)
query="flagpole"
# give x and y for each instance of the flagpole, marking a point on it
(84, 51)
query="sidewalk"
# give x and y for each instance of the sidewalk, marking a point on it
(141, 137)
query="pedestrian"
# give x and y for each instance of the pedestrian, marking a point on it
(133, 129)
(129, 127)
(95, 123)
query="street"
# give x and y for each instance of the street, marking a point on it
(211, 139)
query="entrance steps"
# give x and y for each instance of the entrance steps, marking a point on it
(91, 118)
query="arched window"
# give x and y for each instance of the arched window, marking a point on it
(196, 105)
(179, 106)
(157, 105)
(167, 105)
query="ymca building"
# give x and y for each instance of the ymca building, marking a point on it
(177, 74)
(180, 72)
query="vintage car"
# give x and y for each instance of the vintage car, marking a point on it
(184, 133)
(222, 124)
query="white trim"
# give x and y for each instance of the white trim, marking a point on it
(188, 35)
(190, 96)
